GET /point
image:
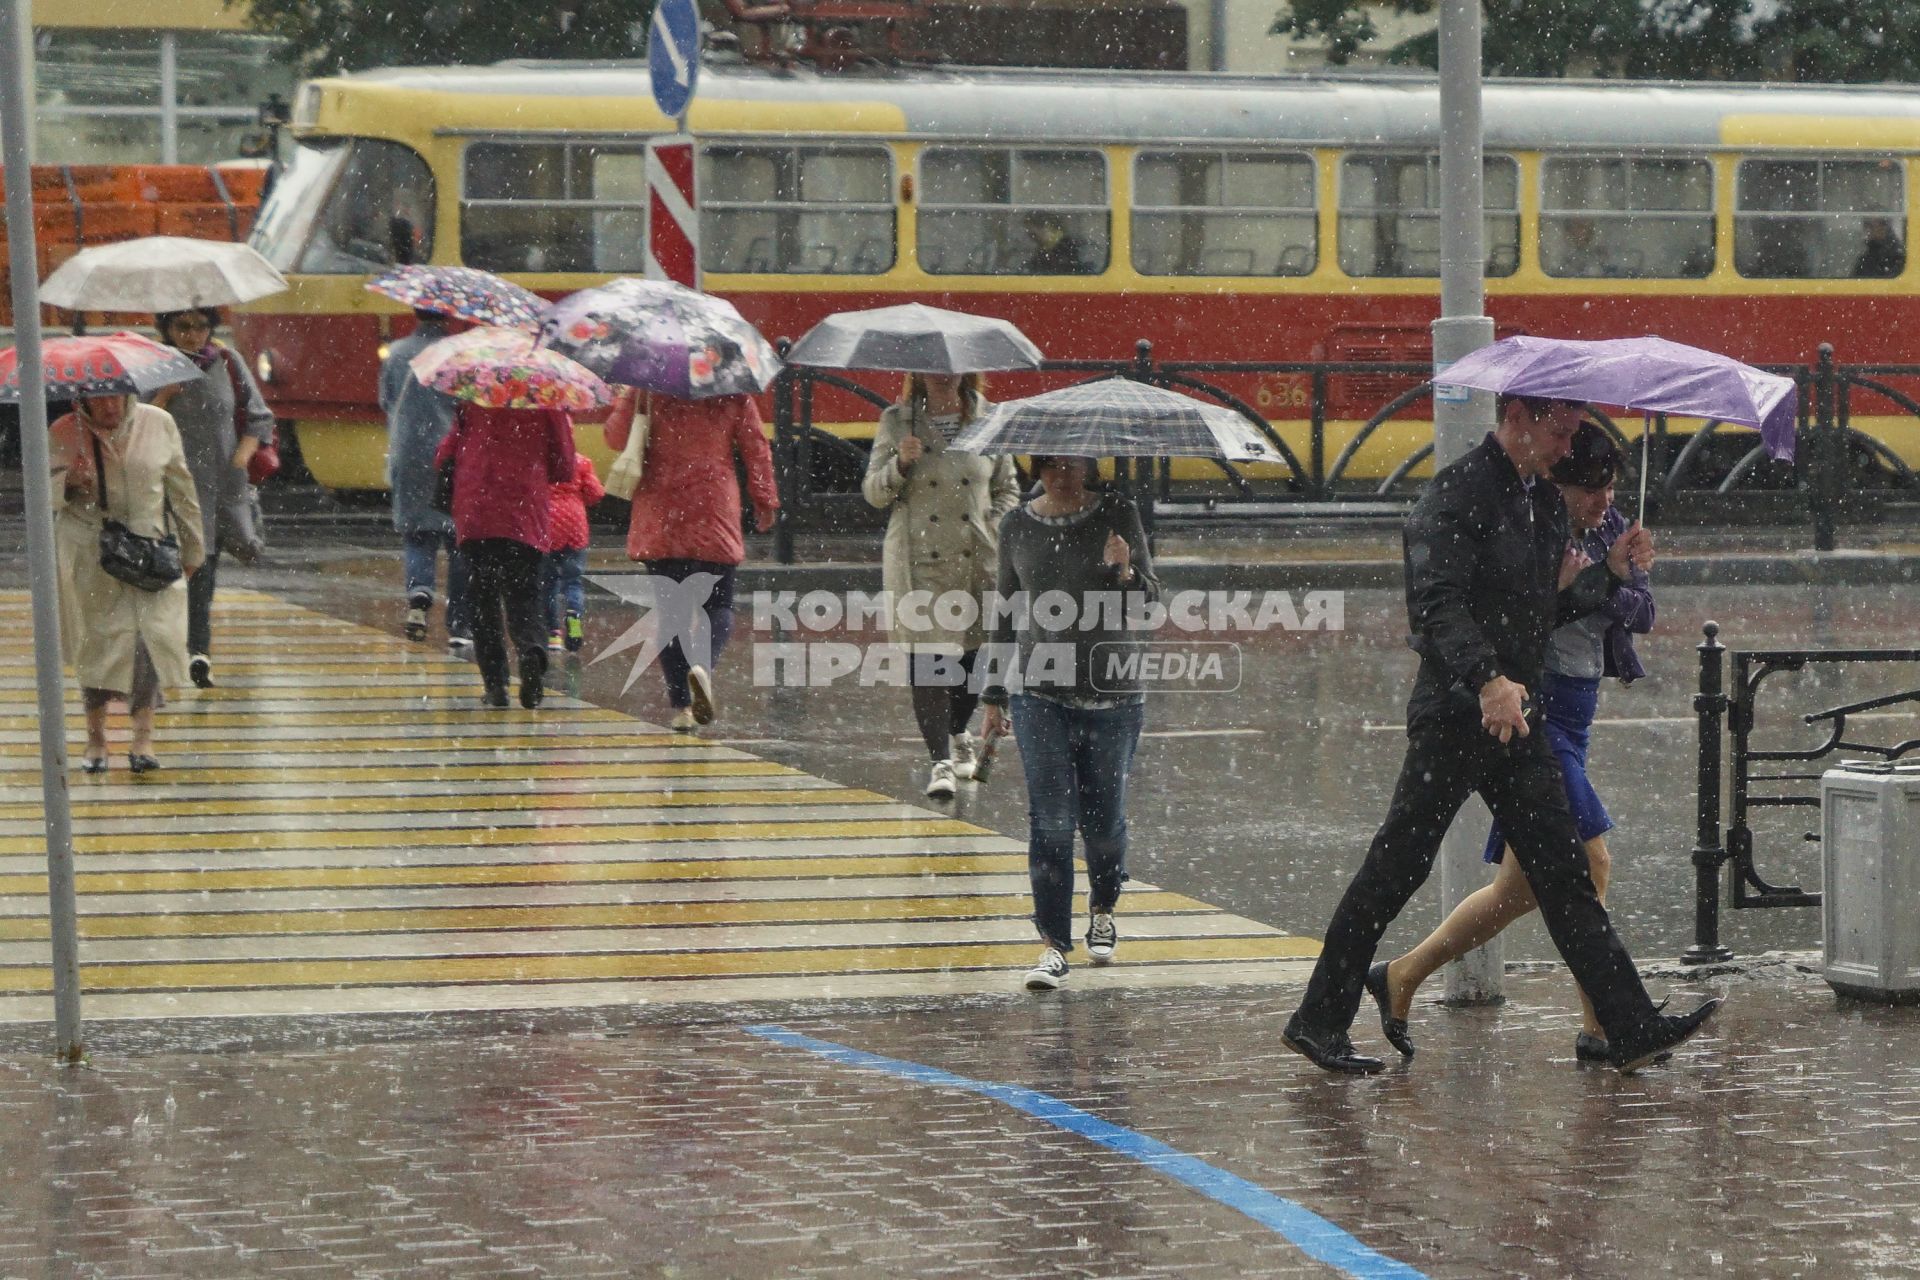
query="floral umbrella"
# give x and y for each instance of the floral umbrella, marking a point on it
(464, 293)
(661, 336)
(100, 365)
(502, 369)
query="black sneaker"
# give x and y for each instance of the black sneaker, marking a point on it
(1102, 938)
(1049, 973)
(496, 695)
(200, 670)
(1659, 1037)
(532, 687)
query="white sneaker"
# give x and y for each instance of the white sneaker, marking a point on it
(964, 756)
(460, 647)
(940, 783)
(700, 689)
(683, 721)
(1049, 973)
(1102, 938)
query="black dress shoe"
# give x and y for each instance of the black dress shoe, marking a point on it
(496, 695)
(142, 764)
(1394, 1029)
(1658, 1037)
(1590, 1048)
(1327, 1050)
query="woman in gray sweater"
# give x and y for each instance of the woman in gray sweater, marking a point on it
(1076, 702)
(223, 419)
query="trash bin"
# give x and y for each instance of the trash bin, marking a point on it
(1870, 857)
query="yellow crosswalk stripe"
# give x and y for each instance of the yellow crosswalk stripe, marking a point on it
(231, 924)
(556, 801)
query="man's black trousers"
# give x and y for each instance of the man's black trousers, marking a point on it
(1448, 756)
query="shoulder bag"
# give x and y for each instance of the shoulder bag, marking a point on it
(135, 559)
(624, 476)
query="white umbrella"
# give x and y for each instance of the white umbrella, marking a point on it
(1117, 418)
(161, 273)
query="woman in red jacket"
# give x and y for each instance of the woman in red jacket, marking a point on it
(686, 523)
(504, 461)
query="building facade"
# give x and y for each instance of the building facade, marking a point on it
(133, 81)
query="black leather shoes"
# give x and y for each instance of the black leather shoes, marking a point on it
(1658, 1037)
(1394, 1029)
(1328, 1051)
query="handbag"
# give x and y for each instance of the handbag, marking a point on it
(135, 559)
(630, 467)
(265, 462)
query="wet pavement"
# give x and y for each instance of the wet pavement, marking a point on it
(423, 1133)
(1784, 1143)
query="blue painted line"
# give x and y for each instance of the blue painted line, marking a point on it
(1312, 1234)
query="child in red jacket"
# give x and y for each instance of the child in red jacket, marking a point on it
(567, 555)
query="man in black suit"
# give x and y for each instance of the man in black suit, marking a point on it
(1483, 549)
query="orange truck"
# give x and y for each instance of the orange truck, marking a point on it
(77, 206)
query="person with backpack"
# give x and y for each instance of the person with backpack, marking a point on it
(223, 420)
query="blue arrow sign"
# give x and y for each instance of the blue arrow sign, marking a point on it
(673, 53)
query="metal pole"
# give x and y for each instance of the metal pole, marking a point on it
(1462, 418)
(1709, 855)
(16, 120)
(1826, 456)
(1217, 35)
(169, 98)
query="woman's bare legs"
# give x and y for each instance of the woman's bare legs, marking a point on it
(97, 732)
(142, 743)
(1478, 918)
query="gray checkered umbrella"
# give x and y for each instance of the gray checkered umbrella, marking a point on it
(1117, 418)
(915, 339)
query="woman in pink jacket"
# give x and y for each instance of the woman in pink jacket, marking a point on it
(504, 462)
(686, 523)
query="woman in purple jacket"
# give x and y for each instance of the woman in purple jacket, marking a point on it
(1579, 655)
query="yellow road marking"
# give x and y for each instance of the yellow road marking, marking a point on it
(417, 746)
(390, 837)
(742, 768)
(584, 916)
(528, 873)
(425, 717)
(519, 802)
(232, 975)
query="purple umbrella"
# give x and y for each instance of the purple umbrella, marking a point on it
(661, 336)
(1638, 373)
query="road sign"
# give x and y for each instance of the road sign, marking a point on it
(673, 54)
(673, 217)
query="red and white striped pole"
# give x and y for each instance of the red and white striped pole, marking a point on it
(673, 214)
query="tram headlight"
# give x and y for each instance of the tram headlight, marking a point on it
(263, 366)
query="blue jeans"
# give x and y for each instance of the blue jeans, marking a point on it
(421, 553)
(1076, 761)
(566, 585)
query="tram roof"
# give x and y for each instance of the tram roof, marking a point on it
(1322, 109)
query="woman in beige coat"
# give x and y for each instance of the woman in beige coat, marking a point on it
(122, 642)
(942, 549)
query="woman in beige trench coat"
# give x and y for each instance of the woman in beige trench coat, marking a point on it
(942, 547)
(122, 642)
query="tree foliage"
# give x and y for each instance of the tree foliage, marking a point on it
(330, 36)
(1848, 41)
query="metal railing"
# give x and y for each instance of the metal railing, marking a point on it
(1839, 475)
(1732, 849)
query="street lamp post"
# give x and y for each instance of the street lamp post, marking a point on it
(1462, 418)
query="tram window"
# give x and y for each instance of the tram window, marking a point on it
(1820, 219)
(287, 219)
(1209, 214)
(1390, 215)
(378, 212)
(554, 206)
(1633, 219)
(796, 210)
(1005, 211)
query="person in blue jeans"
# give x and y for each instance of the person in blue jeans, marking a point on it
(1579, 655)
(418, 418)
(1077, 722)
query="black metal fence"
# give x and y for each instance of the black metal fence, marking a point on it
(1711, 474)
(1749, 777)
